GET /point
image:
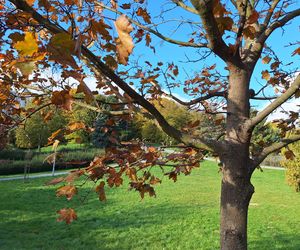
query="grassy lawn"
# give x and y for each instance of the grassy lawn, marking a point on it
(183, 216)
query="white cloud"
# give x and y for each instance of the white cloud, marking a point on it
(282, 111)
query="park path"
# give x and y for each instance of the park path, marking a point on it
(34, 176)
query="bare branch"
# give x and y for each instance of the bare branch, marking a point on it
(270, 13)
(277, 24)
(273, 148)
(275, 104)
(199, 99)
(184, 6)
(155, 32)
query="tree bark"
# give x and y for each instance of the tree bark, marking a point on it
(236, 189)
(236, 192)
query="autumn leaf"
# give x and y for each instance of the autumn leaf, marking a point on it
(253, 17)
(265, 75)
(62, 98)
(296, 52)
(124, 41)
(55, 181)
(76, 126)
(289, 154)
(144, 14)
(100, 191)
(67, 215)
(28, 46)
(68, 191)
(88, 95)
(266, 60)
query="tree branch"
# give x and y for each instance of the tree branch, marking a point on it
(216, 43)
(273, 148)
(275, 104)
(210, 145)
(100, 110)
(199, 99)
(279, 23)
(155, 32)
(184, 6)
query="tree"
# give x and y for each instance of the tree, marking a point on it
(292, 164)
(76, 38)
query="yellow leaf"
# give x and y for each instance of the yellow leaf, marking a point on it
(28, 46)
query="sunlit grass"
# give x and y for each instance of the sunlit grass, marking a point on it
(184, 215)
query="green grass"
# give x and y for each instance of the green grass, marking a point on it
(185, 215)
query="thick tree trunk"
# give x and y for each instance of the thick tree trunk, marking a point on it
(236, 192)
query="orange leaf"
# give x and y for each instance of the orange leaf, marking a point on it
(67, 215)
(76, 125)
(124, 42)
(100, 191)
(265, 75)
(68, 191)
(296, 52)
(266, 60)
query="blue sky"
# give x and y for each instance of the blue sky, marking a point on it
(167, 52)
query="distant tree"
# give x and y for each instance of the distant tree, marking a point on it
(33, 134)
(35, 131)
(292, 165)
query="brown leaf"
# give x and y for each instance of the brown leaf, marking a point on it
(100, 190)
(296, 52)
(68, 191)
(266, 60)
(253, 17)
(62, 98)
(55, 181)
(289, 154)
(67, 215)
(126, 6)
(144, 14)
(124, 41)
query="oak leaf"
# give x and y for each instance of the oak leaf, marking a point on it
(67, 215)
(124, 41)
(100, 191)
(266, 60)
(265, 75)
(144, 14)
(68, 191)
(28, 46)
